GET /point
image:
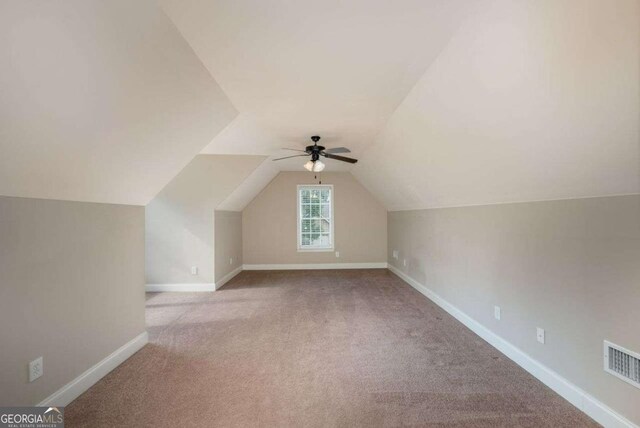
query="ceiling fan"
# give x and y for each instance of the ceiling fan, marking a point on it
(315, 151)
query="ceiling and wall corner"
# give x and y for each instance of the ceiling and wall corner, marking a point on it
(519, 107)
(250, 187)
(444, 103)
(179, 221)
(101, 101)
(106, 102)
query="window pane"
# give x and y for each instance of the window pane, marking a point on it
(315, 211)
(324, 240)
(325, 195)
(326, 211)
(325, 226)
(315, 239)
(306, 239)
(315, 225)
(304, 196)
(306, 226)
(315, 195)
(306, 211)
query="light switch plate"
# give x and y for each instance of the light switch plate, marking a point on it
(36, 369)
(231, 260)
(395, 254)
(540, 335)
(337, 254)
(496, 312)
(194, 270)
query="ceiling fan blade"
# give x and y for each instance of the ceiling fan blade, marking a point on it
(338, 150)
(295, 150)
(340, 158)
(287, 157)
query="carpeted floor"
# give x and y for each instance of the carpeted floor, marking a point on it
(322, 348)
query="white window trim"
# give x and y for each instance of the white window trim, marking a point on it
(331, 246)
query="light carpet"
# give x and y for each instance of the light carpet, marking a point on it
(337, 348)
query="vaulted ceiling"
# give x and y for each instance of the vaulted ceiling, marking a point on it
(445, 102)
(530, 100)
(100, 101)
(298, 68)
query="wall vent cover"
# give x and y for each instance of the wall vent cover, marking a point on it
(622, 363)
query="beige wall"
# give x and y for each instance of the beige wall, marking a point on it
(269, 223)
(571, 267)
(180, 222)
(71, 289)
(228, 242)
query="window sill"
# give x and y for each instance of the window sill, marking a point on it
(316, 250)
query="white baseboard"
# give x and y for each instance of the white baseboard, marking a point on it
(86, 380)
(312, 266)
(228, 277)
(597, 410)
(158, 288)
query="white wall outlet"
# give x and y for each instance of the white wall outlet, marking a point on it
(194, 270)
(36, 369)
(230, 260)
(337, 254)
(404, 262)
(540, 335)
(395, 254)
(496, 312)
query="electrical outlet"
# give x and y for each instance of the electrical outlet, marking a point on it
(194, 270)
(36, 369)
(231, 260)
(540, 335)
(337, 254)
(395, 254)
(496, 312)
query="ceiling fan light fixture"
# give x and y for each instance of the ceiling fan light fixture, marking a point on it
(318, 166)
(316, 151)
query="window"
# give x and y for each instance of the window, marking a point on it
(315, 218)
